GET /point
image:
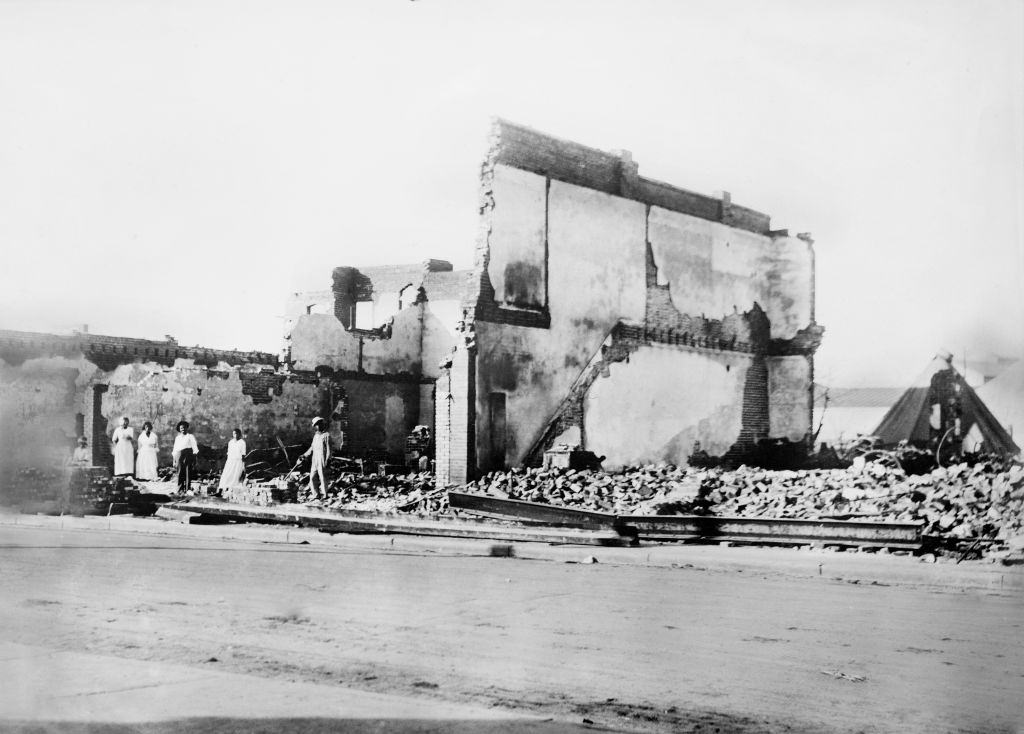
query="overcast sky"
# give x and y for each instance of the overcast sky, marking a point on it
(179, 168)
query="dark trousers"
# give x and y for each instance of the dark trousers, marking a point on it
(186, 469)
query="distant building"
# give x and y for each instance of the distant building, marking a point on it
(845, 413)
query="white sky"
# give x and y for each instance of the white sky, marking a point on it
(179, 168)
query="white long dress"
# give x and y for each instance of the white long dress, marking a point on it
(147, 464)
(234, 467)
(124, 451)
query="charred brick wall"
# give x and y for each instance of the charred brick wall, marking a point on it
(381, 413)
(695, 274)
(455, 419)
(612, 173)
(266, 407)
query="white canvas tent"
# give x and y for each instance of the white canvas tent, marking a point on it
(1004, 396)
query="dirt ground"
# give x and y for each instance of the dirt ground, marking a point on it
(701, 647)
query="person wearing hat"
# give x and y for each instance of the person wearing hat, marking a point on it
(320, 450)
(184, 455)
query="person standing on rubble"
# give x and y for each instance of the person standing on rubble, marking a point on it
(234, 467)
(320, 450)
(123, 446)
(184, 454)
(146, 464)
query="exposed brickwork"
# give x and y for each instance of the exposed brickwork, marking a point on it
(107, 352)
(581, 165)
(349, 286)
(625, 339)
(755, 411)
(261, 386)
(805, 343)
(479, 302)
(455, 419)
(96, 427)
(616, 348)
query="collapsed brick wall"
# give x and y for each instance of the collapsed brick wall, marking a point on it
(46, 402)
(107, 352)
(265, 406)
(366, 417)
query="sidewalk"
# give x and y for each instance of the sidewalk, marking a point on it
(53, 691)
(852, 567)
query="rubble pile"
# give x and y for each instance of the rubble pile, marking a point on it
(92, 487)
(957, 501)
(588, 489)
(413, 492)
(281, 489)
(960, 502)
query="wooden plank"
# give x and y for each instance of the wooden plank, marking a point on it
(779, 530)
(340, 521)
(534, 512)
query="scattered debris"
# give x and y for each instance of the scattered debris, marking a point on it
(979, 507)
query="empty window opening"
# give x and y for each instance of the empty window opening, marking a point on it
(364, 315)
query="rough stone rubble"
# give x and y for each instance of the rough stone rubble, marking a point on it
(960, 502)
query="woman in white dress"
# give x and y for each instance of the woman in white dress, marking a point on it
(123, 445)
(145, 468)
(234, 467)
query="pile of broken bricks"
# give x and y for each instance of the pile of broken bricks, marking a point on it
(959, 503)
(413, 492)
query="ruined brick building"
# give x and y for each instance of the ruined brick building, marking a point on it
(381, 332)
(622, 314)
(604, 310)
(54, 388)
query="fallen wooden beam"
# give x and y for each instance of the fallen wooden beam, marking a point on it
(699, 527)
(904, 535)
(342, 521)
(531, 512)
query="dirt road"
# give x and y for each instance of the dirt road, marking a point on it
(691, 649)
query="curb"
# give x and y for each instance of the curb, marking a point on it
(854, 567)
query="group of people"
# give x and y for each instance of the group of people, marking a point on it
(138, 456)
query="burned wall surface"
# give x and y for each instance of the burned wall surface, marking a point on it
(381, 414)
(264, 406)
(789, 407)
(596, 277)
(634, 317)
(52, 389)
(389, 320)
(48, 400)
(661, 402)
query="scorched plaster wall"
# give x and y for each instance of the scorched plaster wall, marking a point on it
(596, 277)
(706, 314)
(654, 406)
